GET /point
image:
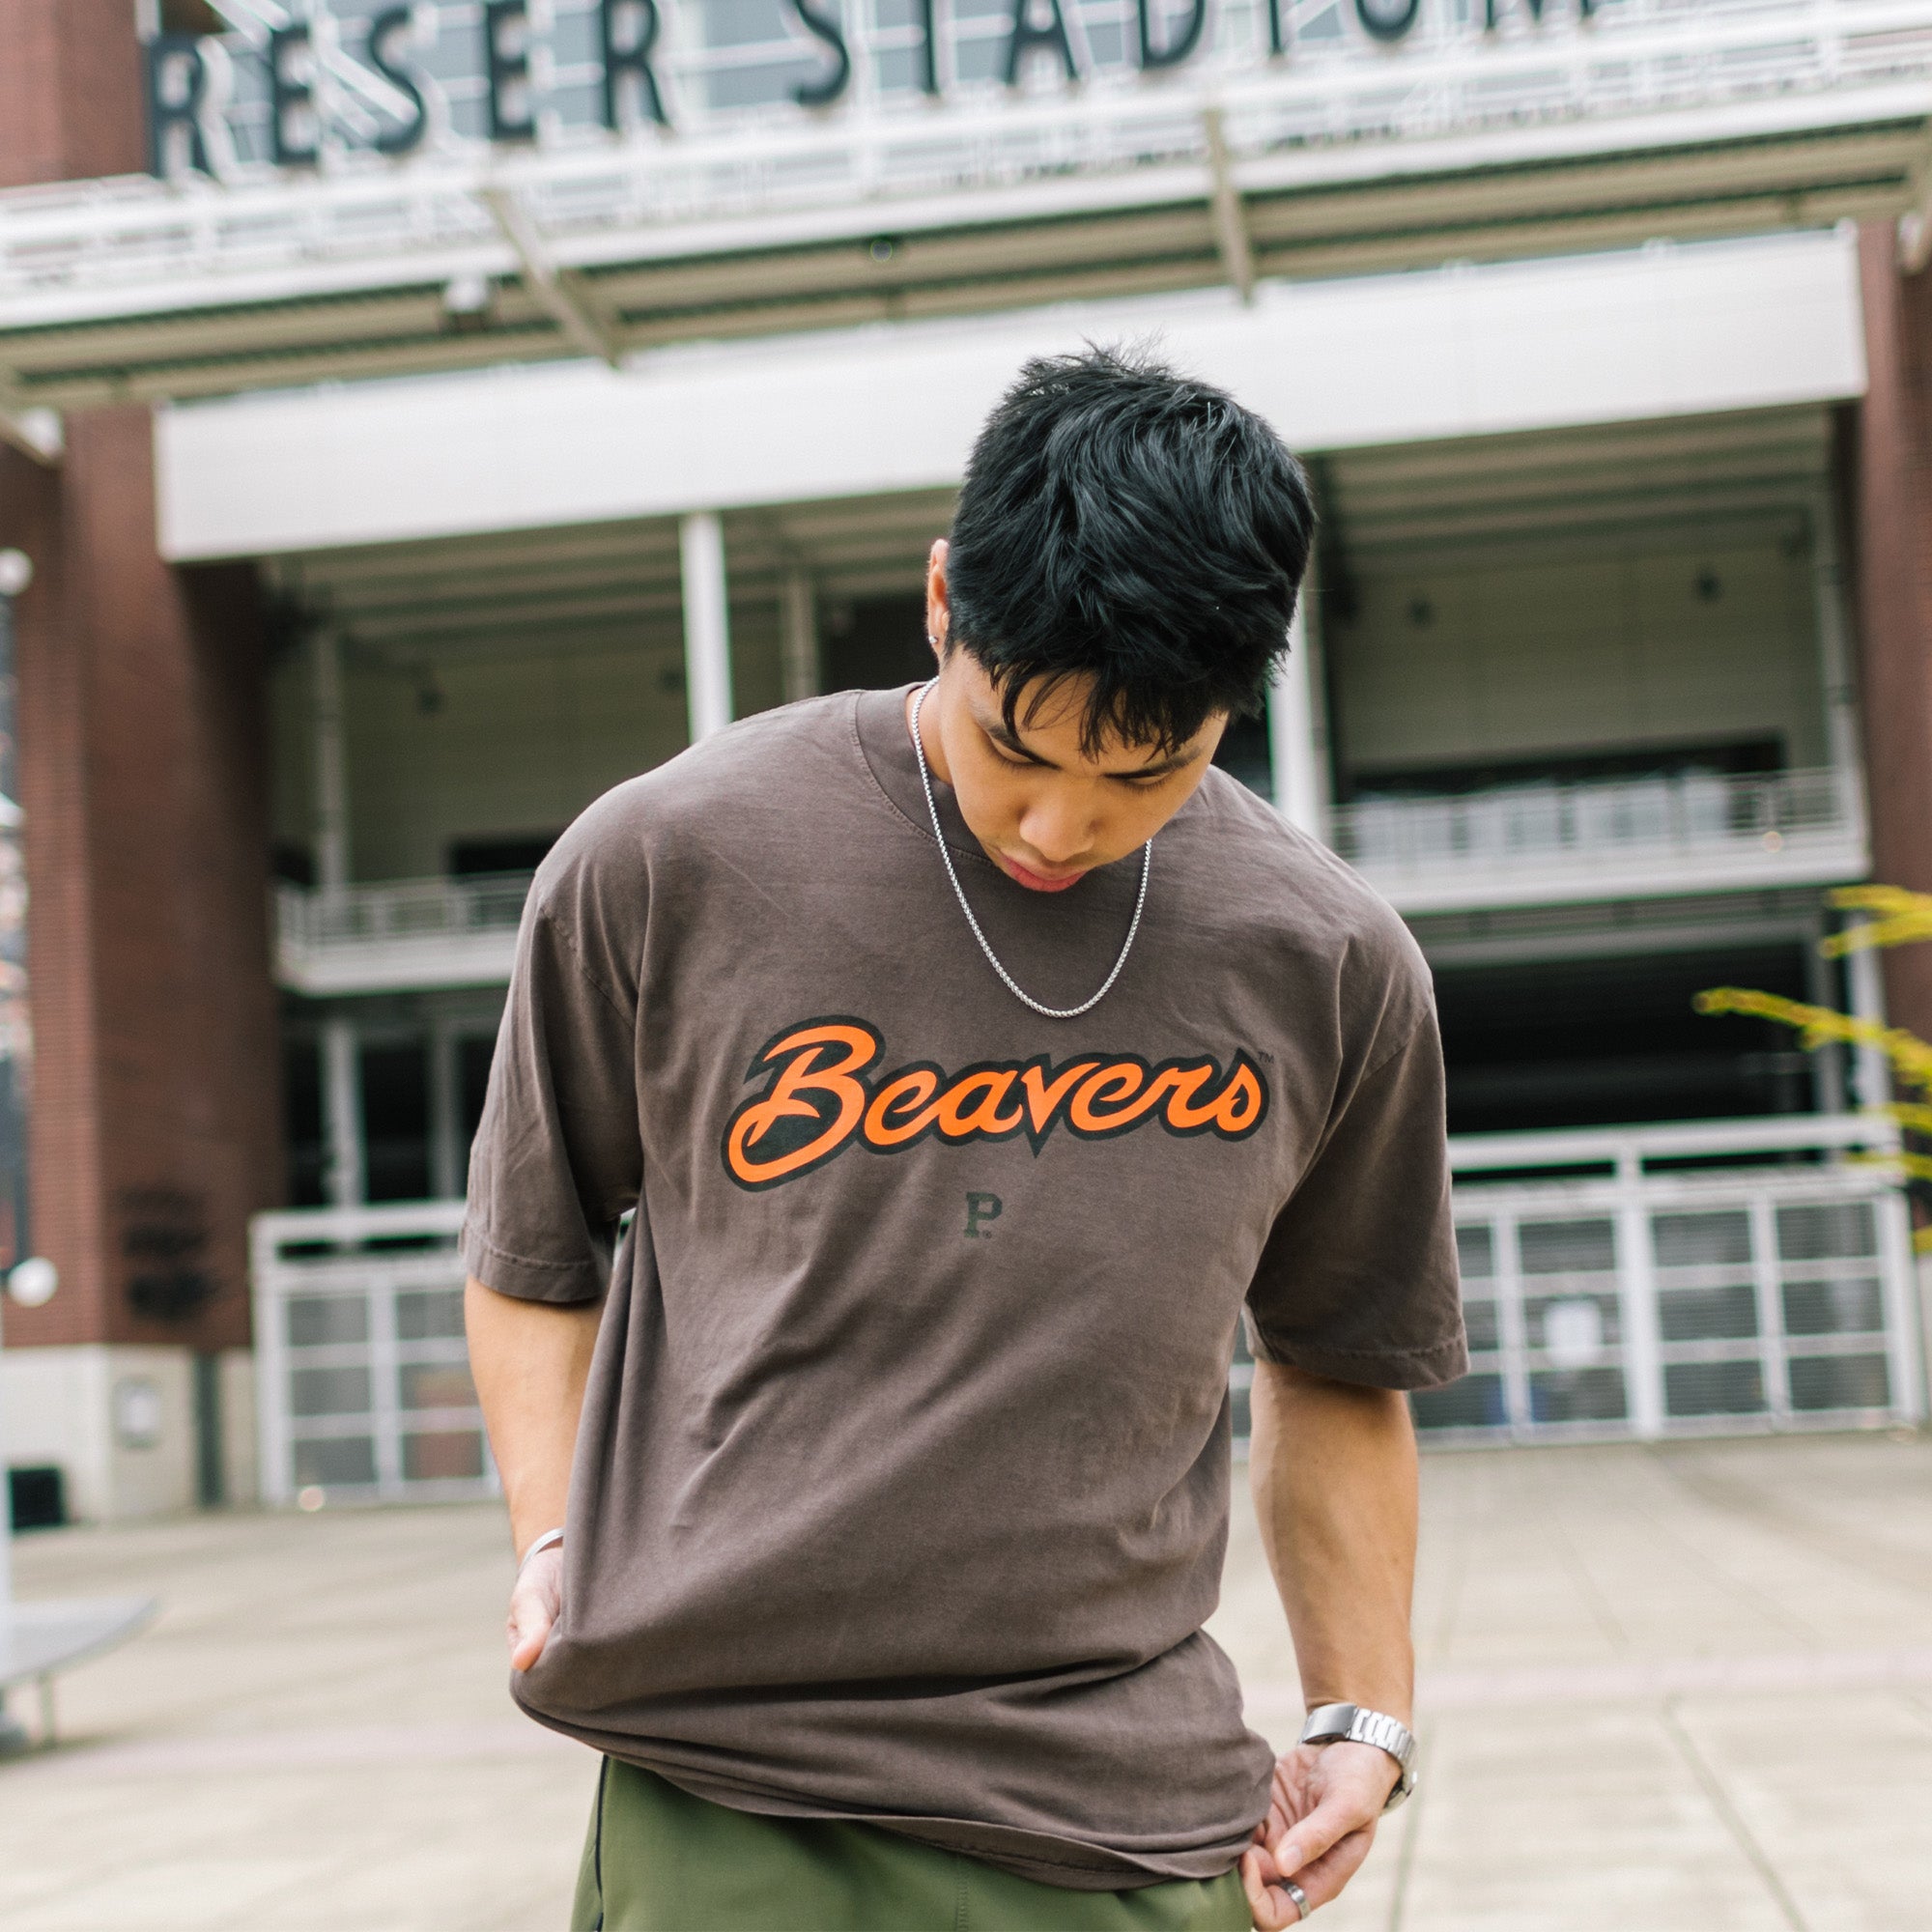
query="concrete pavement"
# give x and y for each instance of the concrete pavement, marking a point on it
(1678, 1689)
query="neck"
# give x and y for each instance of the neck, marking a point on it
(921, 719)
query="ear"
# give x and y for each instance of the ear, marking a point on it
(938, 607)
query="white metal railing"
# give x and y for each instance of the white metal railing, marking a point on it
(1707, 1278)
(1748, 70)
(1617, 834)
(403, 932)
(1644, 1294)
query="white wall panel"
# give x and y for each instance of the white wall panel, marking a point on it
(1462, 660)
(1656, 333)
(516, 745)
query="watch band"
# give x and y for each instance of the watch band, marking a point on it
(1355, 1724)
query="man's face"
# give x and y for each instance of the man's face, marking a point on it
(1046, 811)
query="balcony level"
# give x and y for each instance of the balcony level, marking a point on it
(1656, 836)
(1662, 836)
(405, 935)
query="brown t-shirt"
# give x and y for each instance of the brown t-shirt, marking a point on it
(901, 1492)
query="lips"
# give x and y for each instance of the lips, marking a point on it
(1040, 882)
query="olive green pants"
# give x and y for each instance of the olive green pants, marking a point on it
(658, 1859)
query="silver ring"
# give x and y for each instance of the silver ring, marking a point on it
(1301, 1897)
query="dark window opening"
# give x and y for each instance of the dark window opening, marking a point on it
(396, 1121)
(1574, 767)
(291, 863)
(302, 1123)
(1244, 754)
(876, 644)
(473, 1056)
(1602, 1042)
(511, 852)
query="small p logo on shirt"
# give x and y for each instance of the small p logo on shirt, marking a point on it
(980, 1211)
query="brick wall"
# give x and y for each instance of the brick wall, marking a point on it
(144, 742)
(1891, 465)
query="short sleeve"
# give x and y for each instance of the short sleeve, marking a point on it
(1358, 1279)
(557, 1158)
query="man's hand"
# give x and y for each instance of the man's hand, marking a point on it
(536, 1599)
(1327, 1802)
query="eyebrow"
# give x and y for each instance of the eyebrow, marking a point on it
(999, 733)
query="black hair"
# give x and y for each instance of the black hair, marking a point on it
(1122, 522)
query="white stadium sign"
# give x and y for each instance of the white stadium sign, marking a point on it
(364, 187)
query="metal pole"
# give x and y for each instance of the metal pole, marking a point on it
(342, 1111)
(707, 624)
(445, 1130)
(1290, 730)
(331, 766)
(799, 638)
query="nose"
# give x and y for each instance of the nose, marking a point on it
(1060, 829)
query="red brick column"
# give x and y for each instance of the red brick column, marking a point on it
(143, 748)
(1892, 538)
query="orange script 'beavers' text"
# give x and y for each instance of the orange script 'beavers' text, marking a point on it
(818, 1101)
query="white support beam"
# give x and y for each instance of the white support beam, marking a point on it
(331, 763)
(707, 623)
(562, 297)
(799, 643)
(1832, 615)
(1230, 227)
(1291, 729)
(445, 1111)
(347, 1177)
(1864, 983)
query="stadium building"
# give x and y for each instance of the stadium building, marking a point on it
(419, 418)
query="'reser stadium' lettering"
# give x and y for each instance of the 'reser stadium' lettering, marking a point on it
(820, 1096)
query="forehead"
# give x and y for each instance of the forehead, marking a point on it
(1051, 717)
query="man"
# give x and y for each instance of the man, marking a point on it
(969, 1057)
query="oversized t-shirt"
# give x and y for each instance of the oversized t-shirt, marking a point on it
(901, 1490)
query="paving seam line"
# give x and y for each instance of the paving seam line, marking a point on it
(1733, 1819)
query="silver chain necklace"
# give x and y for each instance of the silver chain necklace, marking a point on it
(1012, 986)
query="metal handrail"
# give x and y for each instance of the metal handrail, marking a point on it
(1680, 812)
(400, 909)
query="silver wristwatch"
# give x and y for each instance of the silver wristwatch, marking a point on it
(1350, 1724)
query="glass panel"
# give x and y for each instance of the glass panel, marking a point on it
(1833, 1308)
(326, 1320)
(1476, 1249)
(330, 1392)
(345, 1459)
(430, 1315)
(1701, 1240)
(1707, 1314)
(1567, 1247)
(1576, 1395)
(1819, 1234)
(436, 1385)
(1480, 1318)
(1840, 1381)
(443, 1456)
(1576, 1329)
(1476, 1402)
(1713, 1388)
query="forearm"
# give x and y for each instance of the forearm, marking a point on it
(531, 1361)
(1335, 1473)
